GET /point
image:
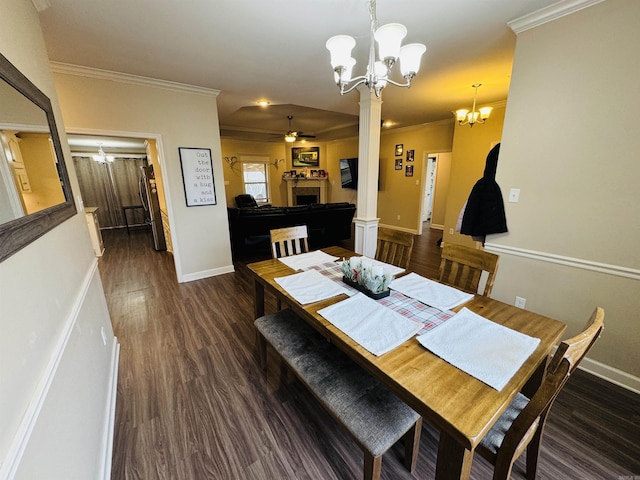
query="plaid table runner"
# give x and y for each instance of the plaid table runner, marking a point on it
(408, 307)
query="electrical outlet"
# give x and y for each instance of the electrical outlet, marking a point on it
(451, 231)
(514, 195)
(520, 302)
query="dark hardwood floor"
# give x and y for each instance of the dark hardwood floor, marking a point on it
(192, 402)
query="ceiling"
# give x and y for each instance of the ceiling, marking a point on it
(274, 50)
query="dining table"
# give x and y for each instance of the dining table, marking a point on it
(459, 405)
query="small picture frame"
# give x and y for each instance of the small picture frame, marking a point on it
(399, 149)
(399, 163)
(322, 173)
(408, 171)
(410, 155)
(314, 173)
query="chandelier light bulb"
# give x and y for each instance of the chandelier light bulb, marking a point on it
(389, 40)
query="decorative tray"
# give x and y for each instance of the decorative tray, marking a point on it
(368, 293)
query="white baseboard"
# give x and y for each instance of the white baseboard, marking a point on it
(110, 417)
(400, 229)
(610, 374)
(190, 277)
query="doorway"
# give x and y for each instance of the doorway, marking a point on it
(111, 172)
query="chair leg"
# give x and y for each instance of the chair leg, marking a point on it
(412, 445)
(372, 467)
(261, 345)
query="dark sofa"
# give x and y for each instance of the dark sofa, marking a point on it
(327, 224)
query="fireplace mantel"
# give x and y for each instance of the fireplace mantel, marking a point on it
(319, 185)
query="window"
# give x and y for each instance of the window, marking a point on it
(255, 176)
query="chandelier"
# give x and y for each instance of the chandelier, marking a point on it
(465, 116)
(101, 157)
(389, 38)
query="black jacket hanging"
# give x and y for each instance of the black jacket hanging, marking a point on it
(484, 213)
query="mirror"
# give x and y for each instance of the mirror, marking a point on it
(35, 193)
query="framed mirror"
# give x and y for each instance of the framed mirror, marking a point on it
(35, 193)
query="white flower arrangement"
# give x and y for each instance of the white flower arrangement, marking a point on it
(363, 272)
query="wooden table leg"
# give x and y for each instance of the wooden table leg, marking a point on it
(258, 299)
(454, 461)
(535, 380)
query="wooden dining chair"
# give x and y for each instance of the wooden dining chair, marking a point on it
(394, 247)
(520, 427)
(462, 267)
(289, 241)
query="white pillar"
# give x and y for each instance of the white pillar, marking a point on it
(366, 220)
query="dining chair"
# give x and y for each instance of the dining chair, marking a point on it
(289, 241)
(462, 267)
(520, 427)
(394, 247)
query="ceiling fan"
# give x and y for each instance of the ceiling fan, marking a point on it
(291, 136)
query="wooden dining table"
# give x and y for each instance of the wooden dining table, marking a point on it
(461, 407)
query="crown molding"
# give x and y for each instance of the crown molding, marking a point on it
(549, 14)
(90, 72)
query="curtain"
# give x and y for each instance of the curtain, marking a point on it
(111, 186)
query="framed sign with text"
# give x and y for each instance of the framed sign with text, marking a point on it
(197, 176)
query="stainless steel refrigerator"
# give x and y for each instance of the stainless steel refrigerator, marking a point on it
(149, 198)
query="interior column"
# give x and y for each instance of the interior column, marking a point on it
(366, 220)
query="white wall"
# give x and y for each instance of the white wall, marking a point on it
(180, 116)
(571, 143)
(54, 364)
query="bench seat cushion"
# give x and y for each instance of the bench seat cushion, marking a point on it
(373, 415)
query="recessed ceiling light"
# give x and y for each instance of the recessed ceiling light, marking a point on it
(263, 103)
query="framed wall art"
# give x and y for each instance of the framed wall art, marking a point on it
(409, 171)
(410, 155)
(305, 156)
(197, 176)
(399, 149)
(398, 163)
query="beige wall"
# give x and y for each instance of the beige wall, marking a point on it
(470, 149)
(399, 194)
(233, 174)
(54, 387)
(570, 144)
(180, 117)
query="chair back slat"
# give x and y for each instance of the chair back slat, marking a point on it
(394, 247)
(462, 267)
(289, 241)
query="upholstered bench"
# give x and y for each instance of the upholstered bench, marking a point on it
(374, 417)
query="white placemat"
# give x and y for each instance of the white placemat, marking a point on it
(306, 260)
(310, 286)
(374, 326)
(443, 297)
(484, 349)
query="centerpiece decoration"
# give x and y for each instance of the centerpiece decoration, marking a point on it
(361, 274)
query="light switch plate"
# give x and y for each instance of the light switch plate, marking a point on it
(514, 195)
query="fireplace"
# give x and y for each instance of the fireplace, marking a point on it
(306, 199)
(303, 191)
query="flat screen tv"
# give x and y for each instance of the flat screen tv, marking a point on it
(349, 173)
